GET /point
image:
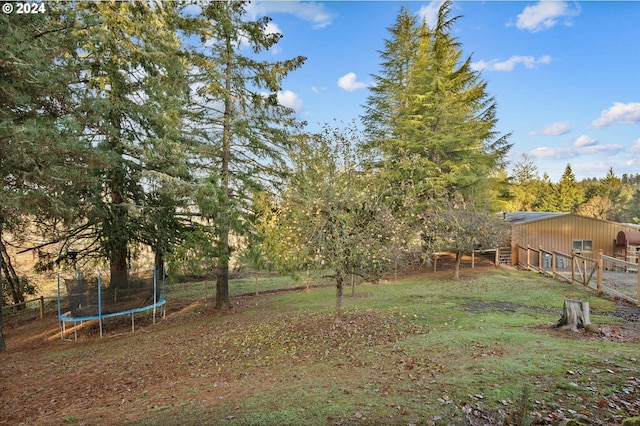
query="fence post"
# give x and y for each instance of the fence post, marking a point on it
(497, 256)
(600, 267)
(41, 307)
(155, 294)
(540, 264)
(528, 257)
(473, 260)
(573, 266)
(553, 262)
(100, 302)
(62, 327)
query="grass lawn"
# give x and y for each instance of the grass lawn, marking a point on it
(423, 350)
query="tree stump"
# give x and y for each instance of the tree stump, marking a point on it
(575, 315)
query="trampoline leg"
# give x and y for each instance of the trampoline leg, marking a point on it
(75, 331)
(133, 327)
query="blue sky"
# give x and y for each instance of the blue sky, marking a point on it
(565, 75)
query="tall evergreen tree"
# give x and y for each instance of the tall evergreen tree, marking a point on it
(42, 158)
(545, 196)
(442, 138)
(245, 126)
(611, 185)
(134, 73)
(525, 182)
(567, 193)
(389, 93)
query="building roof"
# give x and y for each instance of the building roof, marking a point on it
(517, 218)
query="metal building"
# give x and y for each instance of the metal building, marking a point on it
(564, 232)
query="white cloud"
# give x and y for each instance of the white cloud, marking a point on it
(510, 64)
(636, 146)
(272, 28)
(429, 13)
(549, 152)
(545, 15)
(584, 141)
(349, 82)
(310, 11)
(317, 90)
(619, 113)
(290, 99)
(555, 129)
(599, 149)
(584, 145)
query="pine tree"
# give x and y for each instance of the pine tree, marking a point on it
(245, 126)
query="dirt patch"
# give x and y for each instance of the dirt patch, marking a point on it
(198, 358)
(478, 306)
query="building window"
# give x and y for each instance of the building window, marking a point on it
(582, 246)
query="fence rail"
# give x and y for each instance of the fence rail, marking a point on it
(604, 273)
(23, 309)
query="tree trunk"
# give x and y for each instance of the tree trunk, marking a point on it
(257, 287)
(12, 278)
(575, 315)
(119, 253)
(3, 347)
(222, 283)
(158, 264)
(118, 270)
(456, 272)
(224, 222)
(339, 296)
(353, 285)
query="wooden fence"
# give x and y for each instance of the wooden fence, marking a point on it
(603, 273)
(22, 309)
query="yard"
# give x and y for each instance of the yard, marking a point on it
(424, 349)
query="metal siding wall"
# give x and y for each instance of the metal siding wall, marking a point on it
(558, 234)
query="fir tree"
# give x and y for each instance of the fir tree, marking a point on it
(245, 127)
(133, 72)
(441, 140)
(567, 193)
(42, 157)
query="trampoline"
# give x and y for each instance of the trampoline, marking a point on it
(100, 297)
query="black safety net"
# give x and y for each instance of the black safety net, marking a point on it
(91, 296)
